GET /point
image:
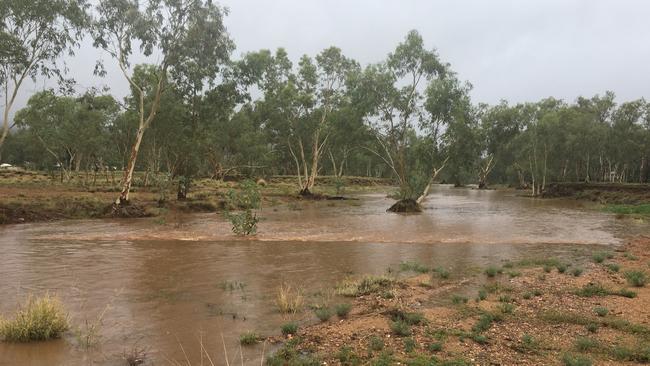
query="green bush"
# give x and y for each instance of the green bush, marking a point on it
(592, 327)
(375, 343)
(576, 272)
(442, 273)
(244, 222)
(636, 278)
(347, 357)
(575, 360)
(561, 267)
(585, 344)
(247, 198)
(323, 314)
(458, 299)
(413, 267)
(289, 328)
(601, 311)
(400, 328)
(492, 271)
(482, 294)
(249, 338)
(39, 319)
(342, 310)
(435, 347)
(614, 267)
(409, 345)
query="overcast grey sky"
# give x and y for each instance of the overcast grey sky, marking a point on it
(508, 49)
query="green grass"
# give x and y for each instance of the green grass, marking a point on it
(601, 311)
(342, 310)
(482, 294)
(592, 327)
(575, 360)
(586, 344)
(513, 274)
(413, 267)
(599, 257)
(506, 308)
(400, 328)
(39, 319)
(614, 267)
(441, 272)
(347, 357)
(289, 328)
(435, 347)
(642, 209)
(458, 299)
(407, 317)
(409, 345)
(622, 325)
(376, 343)
(249, 338)
(547, 268)
(492, 271)
(576, 272)
(485, 322)
(596, 289)
(636, 278)
(323, 314)
(364, 286)
(630, 256)
(561, 267)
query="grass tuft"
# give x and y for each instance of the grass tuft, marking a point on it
(289, 328)
(323, 314)
(289, 300)
(39, 319)
(342, 310)
(249, 338)
(636, 278)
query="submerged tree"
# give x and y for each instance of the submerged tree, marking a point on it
(33, 36)
(186, 36)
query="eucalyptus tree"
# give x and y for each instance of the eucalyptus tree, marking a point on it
(395, 90)
(33, 36)
(186, 37)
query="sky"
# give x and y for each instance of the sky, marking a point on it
(507, 49)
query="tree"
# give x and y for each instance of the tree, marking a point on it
(393, 88)
(33, 36)
(187, 36)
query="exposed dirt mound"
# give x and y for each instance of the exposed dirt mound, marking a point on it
(405, 206)
(128, 210)
(615, 193)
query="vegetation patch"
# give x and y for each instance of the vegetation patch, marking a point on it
(364, 286)
(38, 319)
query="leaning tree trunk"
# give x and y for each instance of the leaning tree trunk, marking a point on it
(433, 177)
(128, 172)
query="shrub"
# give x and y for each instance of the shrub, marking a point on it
(513, 274)
(506, 308)
(593, 289)
(435, 347)
(505, 298)
(527, 295)
(39, 319)
(599, 257)
(289, 328)
(364, 286)
(479, 338)
(413, 267)
(614, 267)
(636, 278)
(561, 267)
(342, 310)
(408, 318)
(626, 293)
(537, 292)
(249, 338)
(400, 328)
(592, 327)
(575, 360)
(585, 344)
(547, 268)
(244, 222)
(289, 300)
(482, 294)
(484, 322)
(630, 256)
(492, 271)
(601, 311)
(458, 299)
(376, 343)
(347, 357)
(323, 314)
(409, 345)
(442, 273)
(576, 272)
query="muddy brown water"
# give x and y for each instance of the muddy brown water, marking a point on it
(170, 286)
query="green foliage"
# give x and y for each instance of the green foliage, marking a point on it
(249, 338)
(342, 310)
(409, 345)
(561, 267)
(364, 286)
(289, 328)
(375, 343)
(636, 278)
(640, 209)
(323, 314)
(413, 267)
(492, 271)
(614, 267)
(482, 294)
(577, 271)
(38, 319)
(586, 344)
(601, 311)
(458, 299)
(575, 360)
(243, 223)
(400, 328)
(247, 197)
(441, 272)
(347, 357)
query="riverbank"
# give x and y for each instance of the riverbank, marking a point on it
(35, 197)
(590, 310)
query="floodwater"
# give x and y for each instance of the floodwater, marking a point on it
(171, 286)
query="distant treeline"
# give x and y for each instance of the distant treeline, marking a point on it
(195, 111)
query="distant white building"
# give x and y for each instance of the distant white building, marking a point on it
(6, 166)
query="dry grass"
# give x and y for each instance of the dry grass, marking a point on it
(39, 319)
(289, 300)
